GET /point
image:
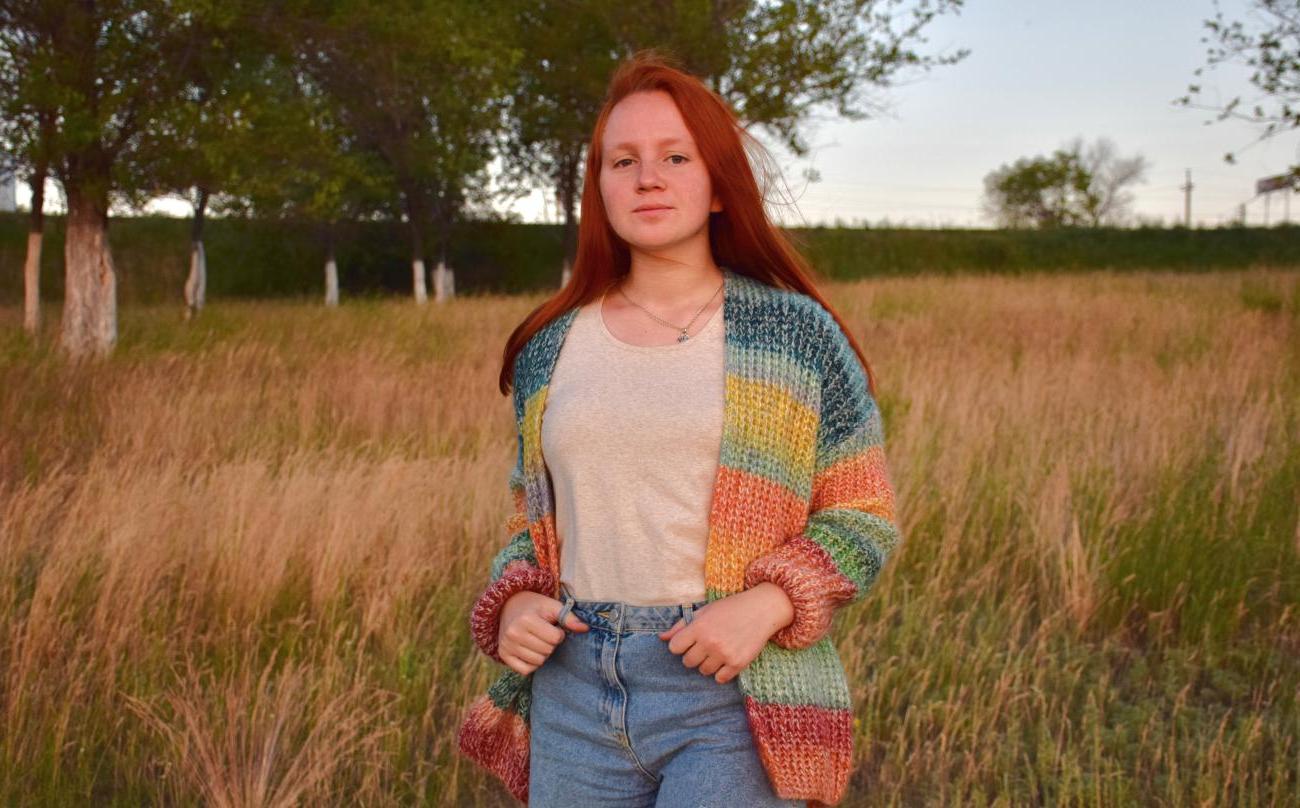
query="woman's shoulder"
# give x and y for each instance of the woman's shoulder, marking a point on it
(532, 360)
(791, 305)
(786, 321)
(545, 340)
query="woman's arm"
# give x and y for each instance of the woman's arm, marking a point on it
(851, 528)
(514, 568)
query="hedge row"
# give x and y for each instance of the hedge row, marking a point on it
(254, 258)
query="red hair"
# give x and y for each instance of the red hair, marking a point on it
(741, 236)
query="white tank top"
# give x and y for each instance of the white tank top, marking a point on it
(631, 436)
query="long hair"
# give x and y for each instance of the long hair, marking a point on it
(740, 235)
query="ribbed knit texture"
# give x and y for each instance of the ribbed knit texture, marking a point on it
(802, 499)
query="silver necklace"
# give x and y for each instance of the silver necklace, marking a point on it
(683, 336)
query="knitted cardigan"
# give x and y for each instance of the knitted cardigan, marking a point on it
(802, 498)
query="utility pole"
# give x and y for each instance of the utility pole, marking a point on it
(1187, 200)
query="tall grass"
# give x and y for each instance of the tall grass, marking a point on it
(236, 558)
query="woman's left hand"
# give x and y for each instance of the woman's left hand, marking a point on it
(725, 636)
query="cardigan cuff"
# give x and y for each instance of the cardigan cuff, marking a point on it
(485, 617)
(815, 586)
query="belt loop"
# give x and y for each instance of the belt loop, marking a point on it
(688, 611)
(569, 600)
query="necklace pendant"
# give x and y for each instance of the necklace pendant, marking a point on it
(682, 337)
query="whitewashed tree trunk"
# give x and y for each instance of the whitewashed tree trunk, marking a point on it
(32, 284)
(90, 290)
(331, 282)
(565, 273)
(35, 242)
(444, 283)
(421, 289)
(197, 282)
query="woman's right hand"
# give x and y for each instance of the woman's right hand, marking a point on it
(528, 632)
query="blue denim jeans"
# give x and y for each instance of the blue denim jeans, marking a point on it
(617, 720)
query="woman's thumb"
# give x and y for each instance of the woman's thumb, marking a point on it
(572, 621)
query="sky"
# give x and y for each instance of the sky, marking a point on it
(1040, 73)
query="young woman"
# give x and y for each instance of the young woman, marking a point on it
(707, 487)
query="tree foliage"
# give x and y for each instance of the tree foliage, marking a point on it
(777, 63)
(417, 84)
(195, 146)
(1075, 186)
(108, 71)
(1271, 49)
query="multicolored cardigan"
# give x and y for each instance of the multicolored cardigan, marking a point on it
(802, 498)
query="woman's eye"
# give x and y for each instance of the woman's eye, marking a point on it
(619, 163)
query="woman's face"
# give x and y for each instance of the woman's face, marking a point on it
(649, 160)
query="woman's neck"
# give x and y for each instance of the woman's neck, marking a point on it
(668, 286)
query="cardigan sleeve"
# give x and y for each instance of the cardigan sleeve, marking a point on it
(851, 528)
(514, 568)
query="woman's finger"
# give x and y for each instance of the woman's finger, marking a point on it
(694, 656)
(670, 633)
(529, 655)
(520, 637)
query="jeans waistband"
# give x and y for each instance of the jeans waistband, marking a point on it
(613, 615)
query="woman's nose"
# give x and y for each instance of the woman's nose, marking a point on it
(648, 176)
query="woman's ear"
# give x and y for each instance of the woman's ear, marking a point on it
(716, 205)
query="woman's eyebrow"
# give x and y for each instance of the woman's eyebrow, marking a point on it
(664, 142)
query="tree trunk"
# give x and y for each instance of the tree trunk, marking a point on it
(567, 192)
(417, 257)
(418, 275)
(331, 269)
(415, 212)
(32, 283)
(331, 281)
(443, 282)
(32, 266)
(90, 289)
(197, 282)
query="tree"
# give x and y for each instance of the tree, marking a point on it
(570, 52)
(1274, 55)
(773, 62)
(27, 127)
(1075, 186)
(1034, 191)
(301, 163)
(1104, 199)
(111, 69)
(418, 83)
(194, 147)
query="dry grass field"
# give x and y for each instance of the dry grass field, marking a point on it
(236, 558)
